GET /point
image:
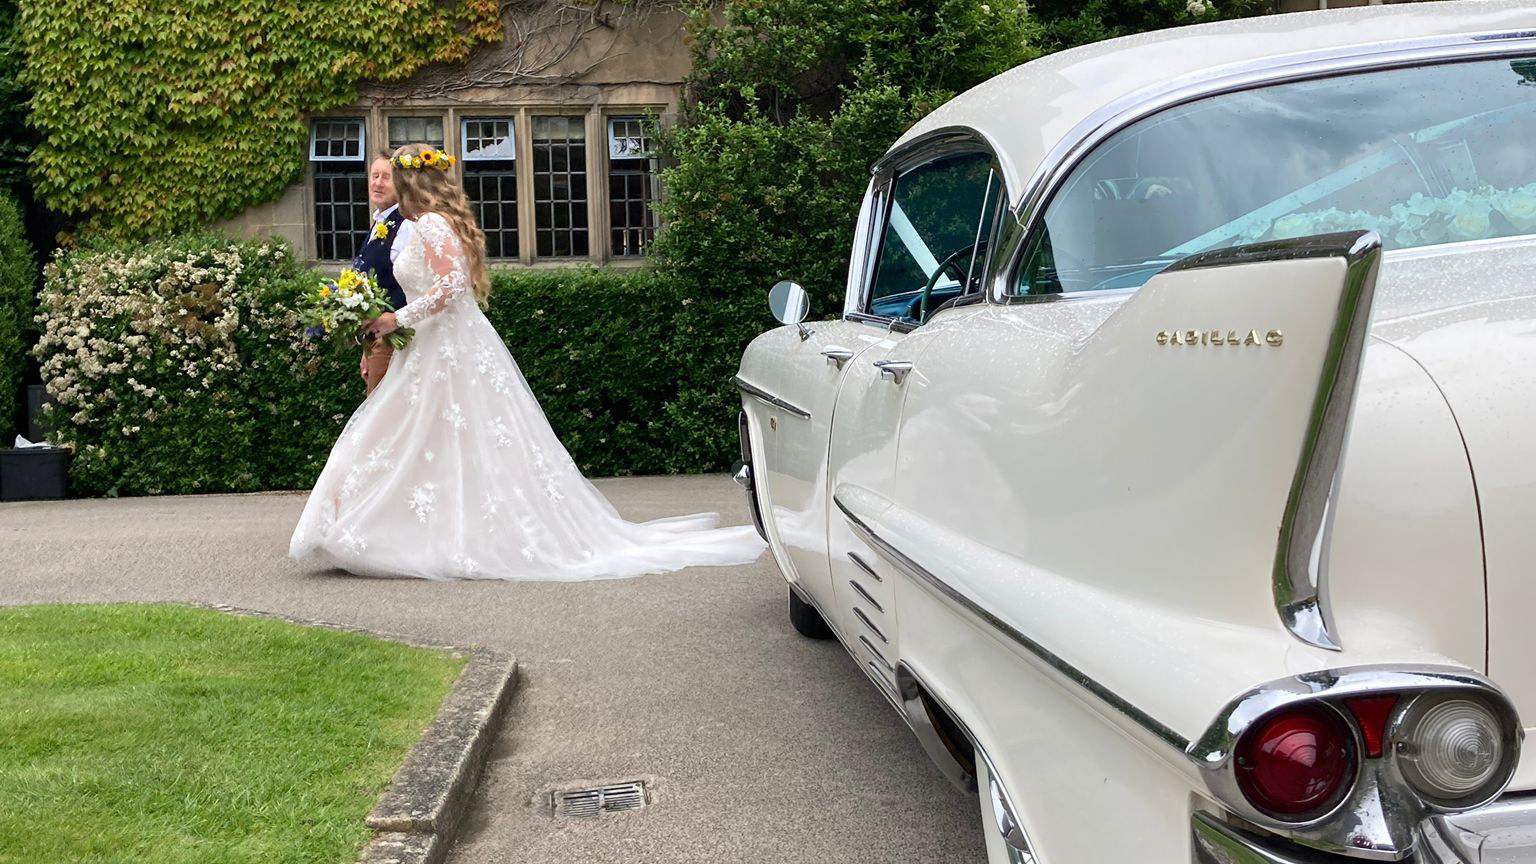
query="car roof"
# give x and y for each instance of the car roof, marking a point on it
(1049, 105)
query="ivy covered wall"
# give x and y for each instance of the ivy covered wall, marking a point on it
(163, 117)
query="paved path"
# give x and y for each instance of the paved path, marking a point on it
(760, 745)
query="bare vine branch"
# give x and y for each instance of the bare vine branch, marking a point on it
(542, 37)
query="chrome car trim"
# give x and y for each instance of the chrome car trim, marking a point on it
(859, 614)
(864, 566)
(1487, 245)
(1301, 592)
(1379, 817)
(912, 688)
(744, 477)
(1067, 671)
(886, 686)
(883, 679)
(1504, 831)
(1218, 843)
(914, 692)
(930, 146)
(859, 589)
(875, 652)
(1062, 159)
(762, 395)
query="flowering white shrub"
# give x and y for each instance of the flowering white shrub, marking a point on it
(180, 366)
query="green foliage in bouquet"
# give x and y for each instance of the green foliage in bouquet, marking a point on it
(164, 117)
(18, 279)
(180, 366)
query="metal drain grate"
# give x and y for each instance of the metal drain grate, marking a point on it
(604, 799)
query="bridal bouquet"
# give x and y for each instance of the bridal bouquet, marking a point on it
(343, 305)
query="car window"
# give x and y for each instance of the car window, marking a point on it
(936, 229)
(1423, 156)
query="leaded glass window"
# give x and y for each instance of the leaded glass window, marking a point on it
(336, 152)
(490, 180)
(632, 186)
(415, 130)
(560, 186)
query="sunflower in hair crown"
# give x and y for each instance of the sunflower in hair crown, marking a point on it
(429, 158)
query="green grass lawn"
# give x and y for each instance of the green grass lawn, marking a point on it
(172, 735)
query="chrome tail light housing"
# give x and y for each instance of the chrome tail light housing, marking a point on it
(1351, 761)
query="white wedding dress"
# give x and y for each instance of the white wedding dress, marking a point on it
(450, 470)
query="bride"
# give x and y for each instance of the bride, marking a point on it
(450, 470)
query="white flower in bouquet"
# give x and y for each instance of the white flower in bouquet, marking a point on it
(1518, 206)
(1468, 217)
(1294, 225)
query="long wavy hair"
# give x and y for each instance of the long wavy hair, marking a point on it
(433, 190)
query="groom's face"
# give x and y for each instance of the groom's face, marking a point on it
(381, 185)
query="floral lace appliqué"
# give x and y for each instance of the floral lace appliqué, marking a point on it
(498, 429)
(424, 501)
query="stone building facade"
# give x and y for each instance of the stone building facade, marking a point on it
(548, 128)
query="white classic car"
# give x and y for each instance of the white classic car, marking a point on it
(1172, 464)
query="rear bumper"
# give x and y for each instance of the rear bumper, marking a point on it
(1503, 832)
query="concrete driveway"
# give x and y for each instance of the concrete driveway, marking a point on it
(759, 745)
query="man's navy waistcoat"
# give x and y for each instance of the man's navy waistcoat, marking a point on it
(373, 258)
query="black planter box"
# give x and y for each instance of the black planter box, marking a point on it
(34, 473)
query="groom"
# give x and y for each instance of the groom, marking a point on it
(388, 234)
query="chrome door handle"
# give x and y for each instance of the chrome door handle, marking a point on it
(896, 370)
(836, 356)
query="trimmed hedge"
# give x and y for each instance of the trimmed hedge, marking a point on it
(178, 367)
(627, 368)
(18, 278)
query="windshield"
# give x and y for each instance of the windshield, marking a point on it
(1422, 156)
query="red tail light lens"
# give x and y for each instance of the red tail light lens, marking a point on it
(1296, 763)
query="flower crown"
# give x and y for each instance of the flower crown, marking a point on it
(428, 158)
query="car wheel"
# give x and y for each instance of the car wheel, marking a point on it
(808, 622)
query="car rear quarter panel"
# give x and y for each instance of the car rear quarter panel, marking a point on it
(1045, 471)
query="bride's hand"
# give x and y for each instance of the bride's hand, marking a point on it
(383, 325)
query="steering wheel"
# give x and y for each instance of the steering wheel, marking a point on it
(950, 261)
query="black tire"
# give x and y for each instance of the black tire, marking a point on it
(806, 620)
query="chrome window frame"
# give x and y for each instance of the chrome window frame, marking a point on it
(1068, 154)
(930, 147)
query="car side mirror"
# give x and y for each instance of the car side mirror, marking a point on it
(789, 302)
(790, 305)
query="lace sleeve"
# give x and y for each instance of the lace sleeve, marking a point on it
(444, 263)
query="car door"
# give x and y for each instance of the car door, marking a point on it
(931, 251)
(809, 363)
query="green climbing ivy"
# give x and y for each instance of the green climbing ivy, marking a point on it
(162, 117)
